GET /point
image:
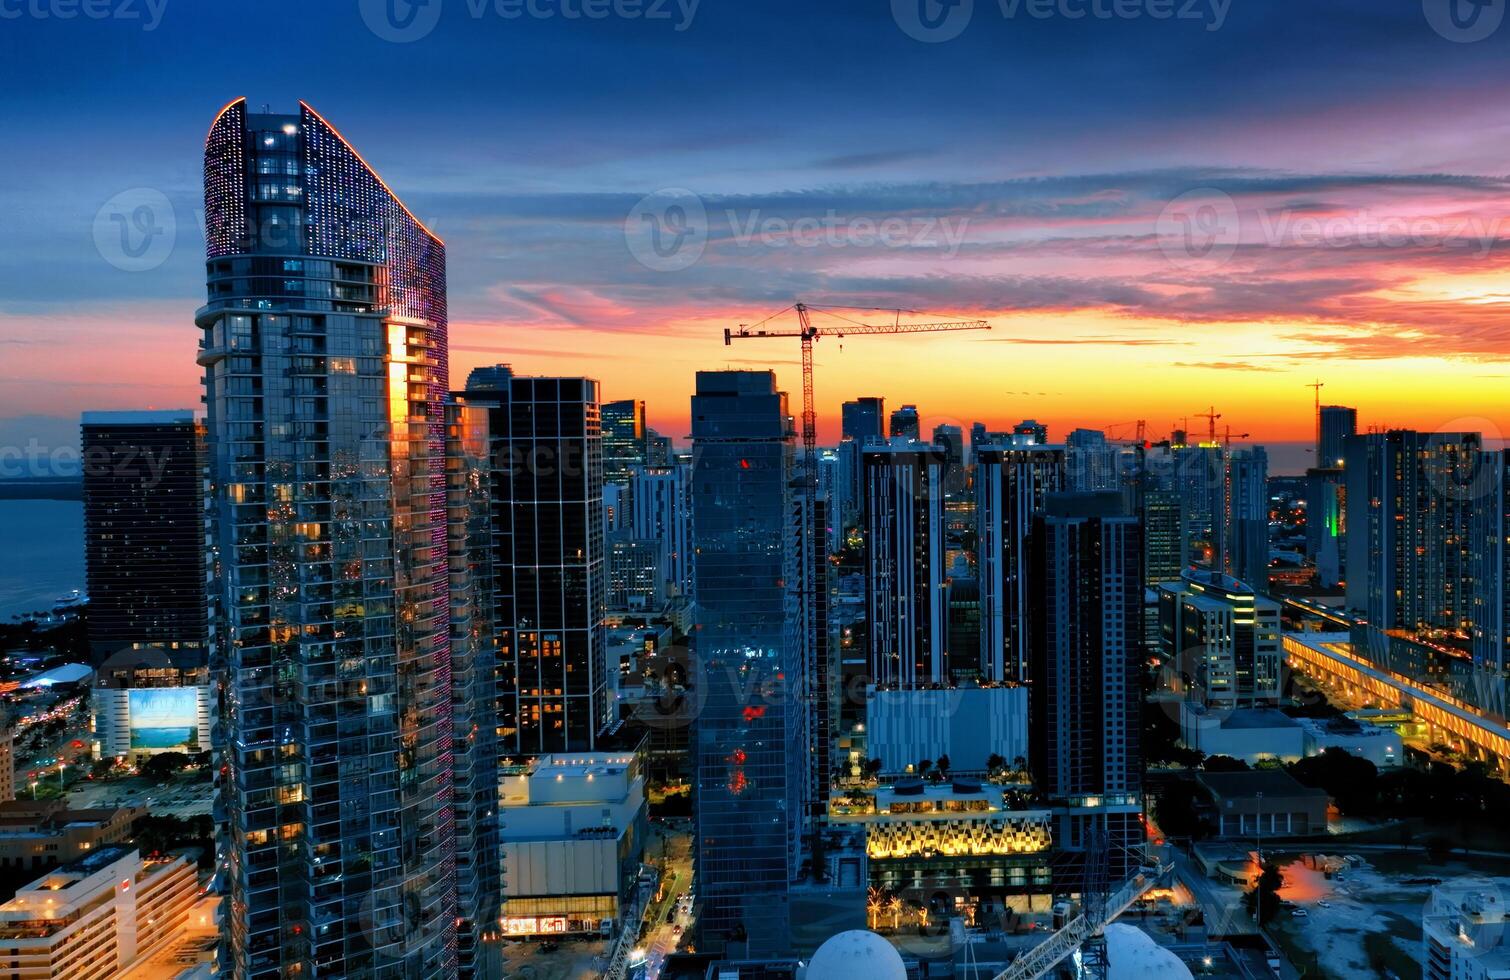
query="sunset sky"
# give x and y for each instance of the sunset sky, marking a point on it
(1154, 215)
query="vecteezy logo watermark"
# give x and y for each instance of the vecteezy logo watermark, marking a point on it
(933, 21)
(1464, 21)
(148, 12)
(403, 21)
(135, 230)
(667, 230)
(1199, 227)
(400, 21)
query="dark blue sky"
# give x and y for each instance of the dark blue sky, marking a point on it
(524, 142)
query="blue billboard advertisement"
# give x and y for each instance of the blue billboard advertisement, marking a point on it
(164, 718)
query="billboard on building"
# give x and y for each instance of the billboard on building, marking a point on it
(164, 718)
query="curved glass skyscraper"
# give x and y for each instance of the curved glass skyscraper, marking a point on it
(324, 352)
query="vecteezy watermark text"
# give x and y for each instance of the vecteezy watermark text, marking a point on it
(148, 12)
(403, 21)
(668, 230)
(935, 21)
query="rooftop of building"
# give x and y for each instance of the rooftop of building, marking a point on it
(176, 416)
(1272, 783)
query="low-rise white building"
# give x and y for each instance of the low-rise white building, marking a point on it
(97, 917)
(573, 828)
(1463, 933)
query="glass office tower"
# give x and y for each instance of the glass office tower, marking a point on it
(750, 763)
(324, 352)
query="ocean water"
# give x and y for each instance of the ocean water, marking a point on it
(41, 553)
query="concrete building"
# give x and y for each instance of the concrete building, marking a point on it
(967, 724)
(1463, 931)
(573, 832)
(96, 918)
(1265, 803)
(41, 834)
(1249, 734)
(1339, 423)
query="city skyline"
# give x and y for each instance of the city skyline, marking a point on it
(1371, 261)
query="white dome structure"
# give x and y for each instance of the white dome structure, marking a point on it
(1132, 954)
(856, 955)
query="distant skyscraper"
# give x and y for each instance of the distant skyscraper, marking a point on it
(658, 449)
(1246, 537)
(1199, 476)
(626, 442)
(1011, 483)
(663, 514)
(907, 607)
(550, 569)
(1030, 432)
(1325, 525)
(1091, 462)
(864, 422)
(951, 439)
(750, 762)
(905, 423)
(1410, 496)
(1338, 424)
(324, 349)
(1165, 554)
(1085, 649)
(144, 530)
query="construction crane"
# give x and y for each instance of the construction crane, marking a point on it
(1316, 386)
(810, 334)
(1210, 415)
(1228, 437)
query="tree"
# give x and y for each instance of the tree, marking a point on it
(923, 766)
(1224, 763)
(1349, 780)
(995, 763)
(941, 768)
(1263, 900)
(161, 767)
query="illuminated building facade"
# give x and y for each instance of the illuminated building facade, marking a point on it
(1223, 637)
(98, 917)
(750, 781)
(1245, 540)
(906, 424)
(625, 440)
(907, 606)
(325, 365)
(1410, 500)
(550, 561)
(1011, 482)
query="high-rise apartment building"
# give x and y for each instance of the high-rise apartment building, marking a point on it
(324, 352)
(626, 441)
(1338, 424)
(550, 562)
(907, 612)
(1490, 610)
(1165, 548)
(1030, 432)
(1410, 499)
(1011, 483)
(1245, 540)
(144, 530)
(747, 743)
(1085, 646)
(1091, 462)
(1326, 526)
